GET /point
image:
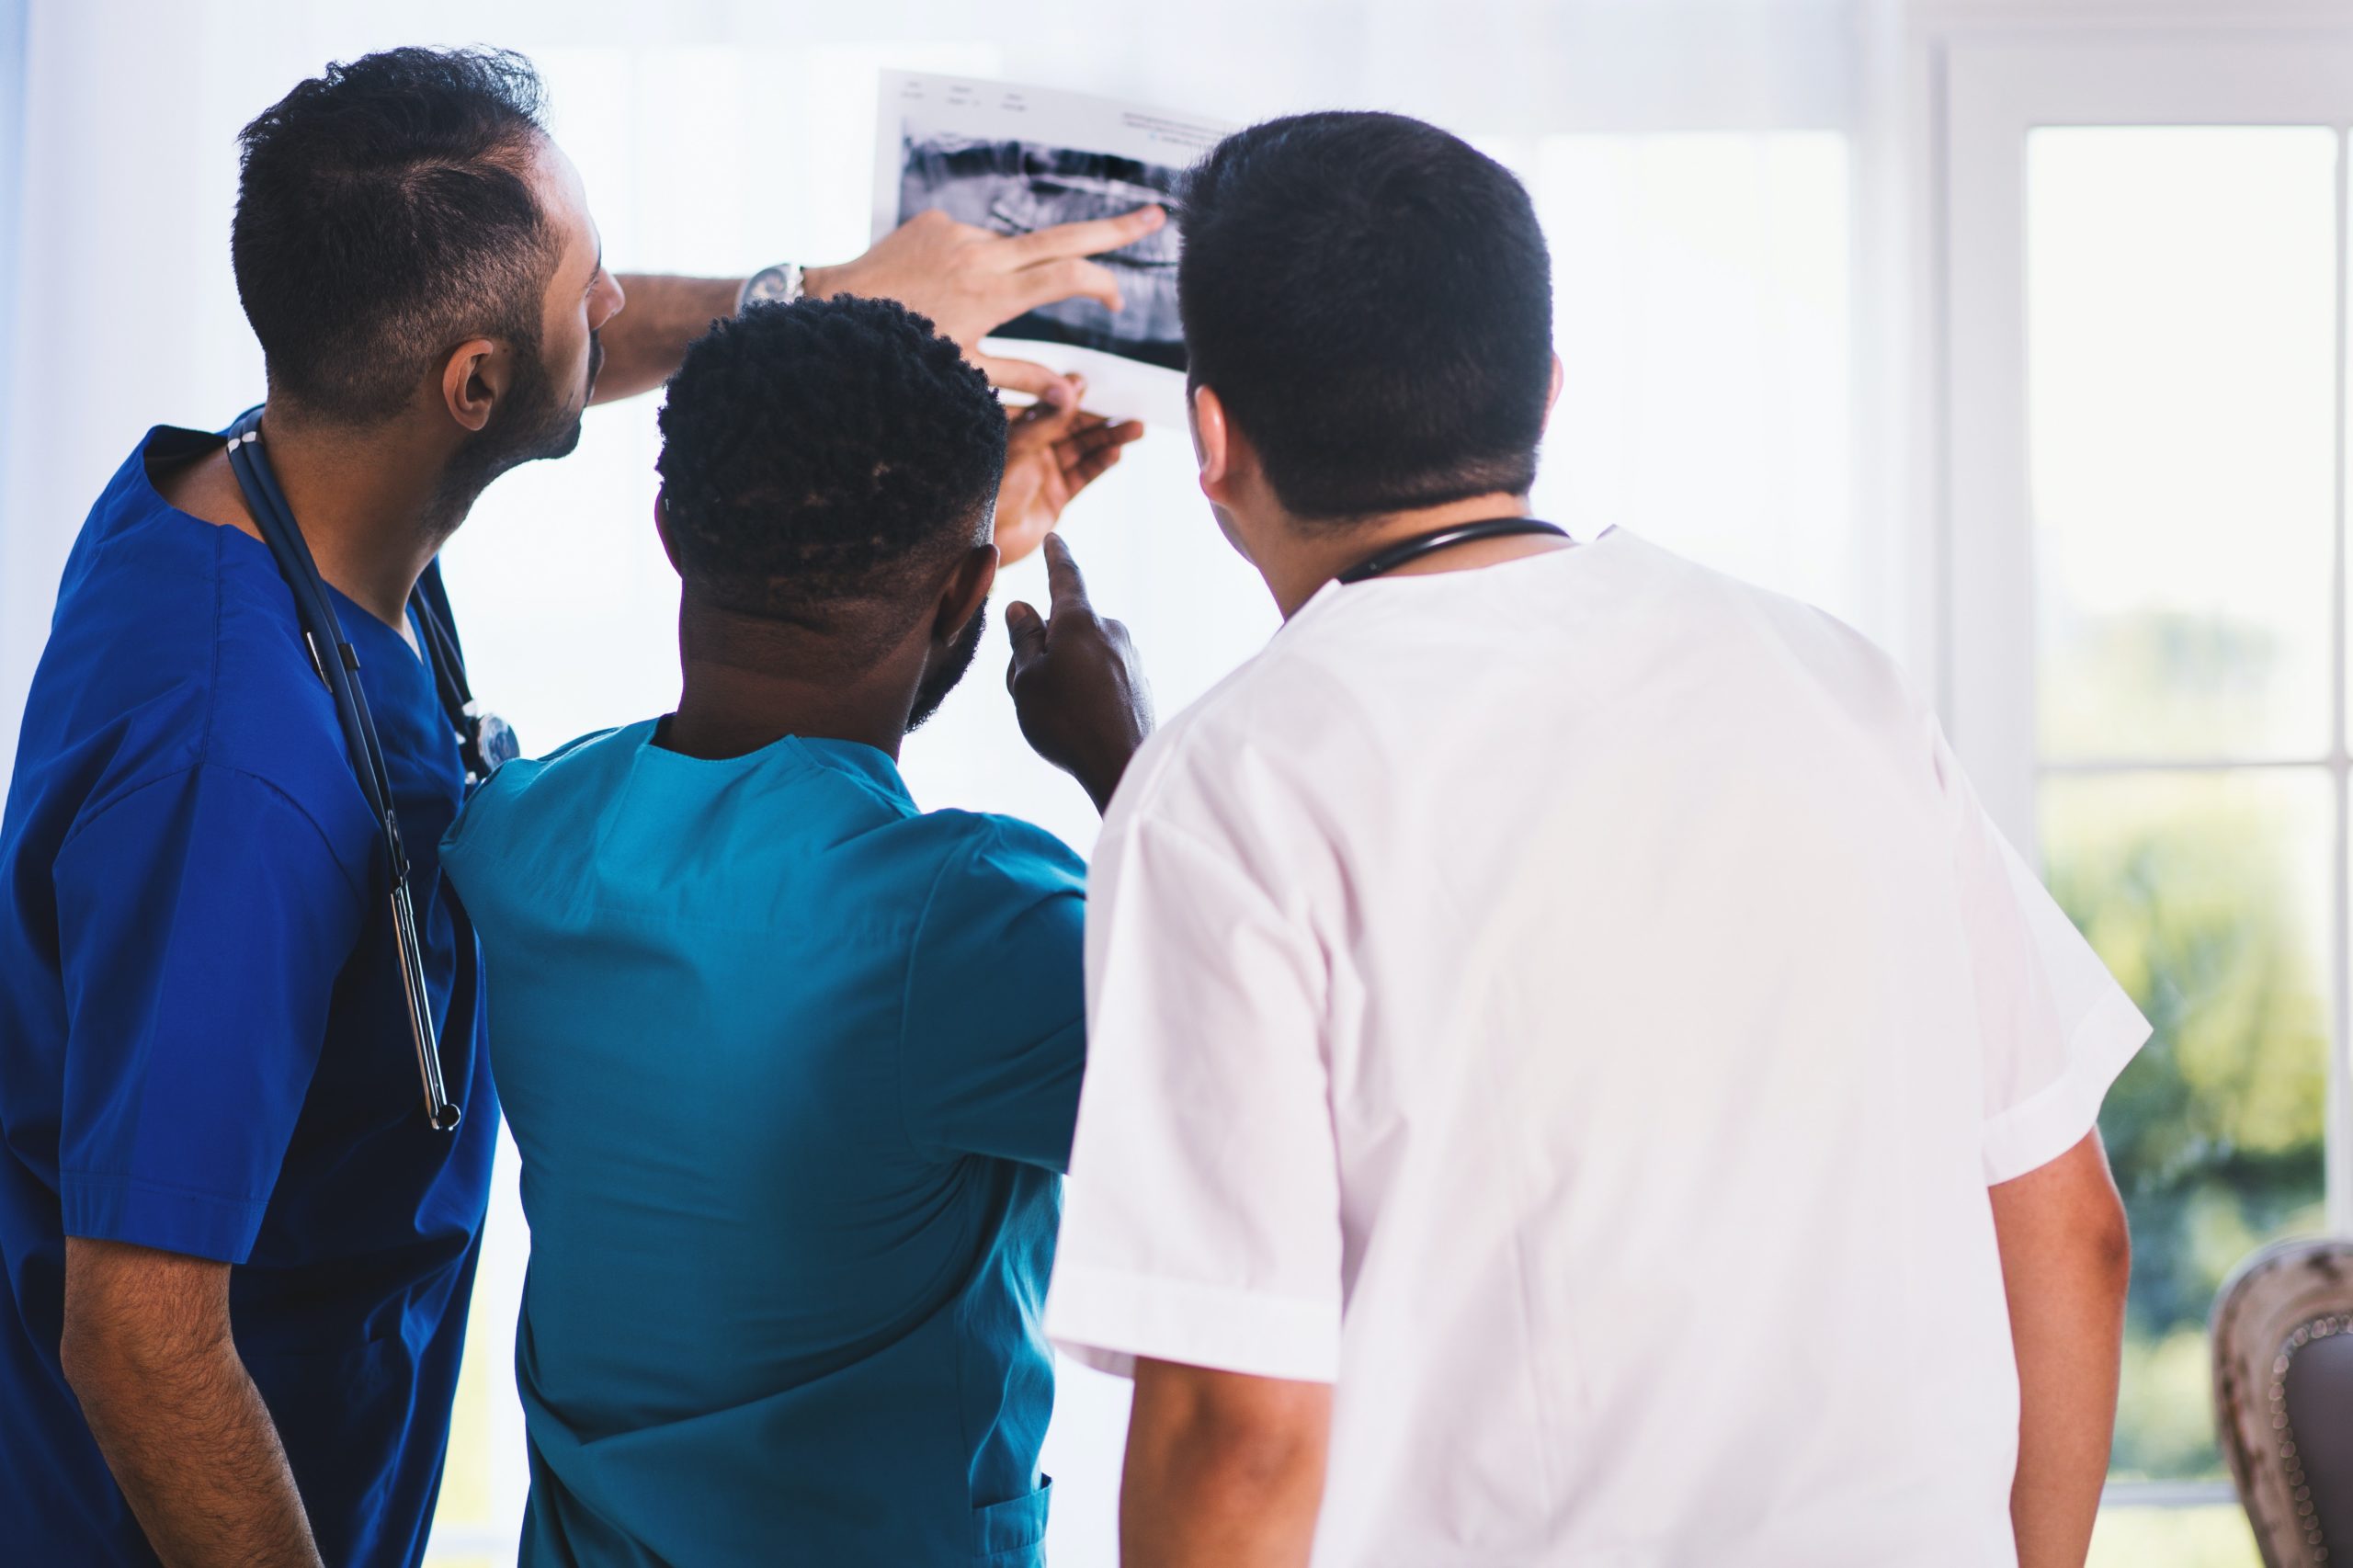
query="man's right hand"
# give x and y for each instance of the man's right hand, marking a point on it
(970, 281)
(1077, 685)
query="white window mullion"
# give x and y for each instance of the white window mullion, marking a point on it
(2339, 1125)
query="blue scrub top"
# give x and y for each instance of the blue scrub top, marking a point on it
(793, 1068)
(202, 1041)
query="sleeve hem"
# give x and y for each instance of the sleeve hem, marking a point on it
(2031, 1135)
(151, 1214)
(203, 765)
(1106, 1318)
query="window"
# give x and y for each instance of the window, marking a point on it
(2182, 446)
(2148, 644)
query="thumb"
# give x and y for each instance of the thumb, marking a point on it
(1053, 417)
(1016, 375)
(1028, 629)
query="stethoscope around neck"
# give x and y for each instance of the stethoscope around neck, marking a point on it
(1406, 551)
(484, 740)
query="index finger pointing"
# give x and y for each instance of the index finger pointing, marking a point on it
(1093, 236)
(1062, 579)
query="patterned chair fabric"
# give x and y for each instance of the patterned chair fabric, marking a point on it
(2284, 1398)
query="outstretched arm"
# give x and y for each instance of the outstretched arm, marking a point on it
(2066, 1261)
(1224, 1469)
(147, 1350)
(968, 280)
(647, 339)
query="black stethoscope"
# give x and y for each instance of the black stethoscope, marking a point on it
(484, 740)
(1414, 549)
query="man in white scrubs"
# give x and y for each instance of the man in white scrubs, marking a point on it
(1575, 1078)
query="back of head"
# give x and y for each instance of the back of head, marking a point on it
(385, 214)
(1371, 299)
(825, 462)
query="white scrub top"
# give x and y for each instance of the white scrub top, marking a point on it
(1579, 1005)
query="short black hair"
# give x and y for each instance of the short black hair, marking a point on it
(1371, 299)
(385, 215)
(826, 458)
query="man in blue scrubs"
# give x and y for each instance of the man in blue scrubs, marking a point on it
(237, 1257)
(793, 1064)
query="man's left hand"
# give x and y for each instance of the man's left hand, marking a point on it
(1052, 452)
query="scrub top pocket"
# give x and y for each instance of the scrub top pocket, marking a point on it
(1012, 1534)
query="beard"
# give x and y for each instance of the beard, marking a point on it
(942, 679)
(531, 422)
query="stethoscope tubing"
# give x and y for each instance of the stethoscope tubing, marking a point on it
(1414, 549)
(339, 665)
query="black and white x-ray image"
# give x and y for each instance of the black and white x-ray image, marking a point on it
(1016, 159)
(1016, 188)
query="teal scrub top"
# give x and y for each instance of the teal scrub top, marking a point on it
(793, 1068)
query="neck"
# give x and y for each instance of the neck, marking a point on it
(1304, 557)
(750, 682)
(372, 503)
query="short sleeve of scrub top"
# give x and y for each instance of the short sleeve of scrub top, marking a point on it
(2054, 1025)
(1204, 1226)
(201, 917)
(993, 1033)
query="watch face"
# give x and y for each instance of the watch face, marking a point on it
(774, 283)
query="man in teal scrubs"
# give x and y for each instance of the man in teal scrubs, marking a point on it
(793, 1064)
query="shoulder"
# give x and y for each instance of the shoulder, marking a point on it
(1777, 643)
(239, 823)
(1004, 899)
(1798, 681)
(581, 769)
(174, 645)
(982, 856)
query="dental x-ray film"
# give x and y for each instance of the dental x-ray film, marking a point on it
(1018, 159)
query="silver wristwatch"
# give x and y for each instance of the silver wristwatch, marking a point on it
(775, 285)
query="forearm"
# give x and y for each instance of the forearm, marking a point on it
(1222, 1470)
(147, 1350)
(2068, 1350)
(195, 1451)
(2066, 1264)
(645, 342)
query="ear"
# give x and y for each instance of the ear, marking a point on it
(1212, 443)
(472, 381)
(966, 590)
(1552, 393)
(661, 528)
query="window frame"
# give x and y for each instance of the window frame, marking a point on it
(1992, 94)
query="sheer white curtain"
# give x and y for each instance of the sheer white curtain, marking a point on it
(1714, 177)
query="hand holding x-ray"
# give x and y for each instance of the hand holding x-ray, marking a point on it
(1052, 453)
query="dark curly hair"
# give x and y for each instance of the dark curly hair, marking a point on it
(824, 458)
(385, 214)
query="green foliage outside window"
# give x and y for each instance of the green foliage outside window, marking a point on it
(2197, 889)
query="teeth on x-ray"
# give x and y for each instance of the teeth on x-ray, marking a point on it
(1015, 188)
